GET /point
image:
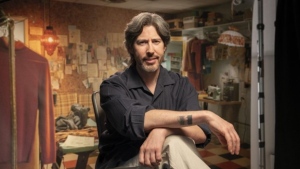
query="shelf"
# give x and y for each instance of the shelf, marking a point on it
(241, 25)
(176, 29)
(177, 38)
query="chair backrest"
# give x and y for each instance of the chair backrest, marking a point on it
(99, 112)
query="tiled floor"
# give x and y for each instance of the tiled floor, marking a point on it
(214, 154)
(69, 161)
(217, 157)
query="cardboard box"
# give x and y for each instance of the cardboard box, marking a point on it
(214, 15)
(175, 24)
(190, 22)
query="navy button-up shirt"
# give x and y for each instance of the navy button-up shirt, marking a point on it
(125, 100)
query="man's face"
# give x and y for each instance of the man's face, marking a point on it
(149, 50)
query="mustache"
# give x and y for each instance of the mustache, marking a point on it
(150, 57)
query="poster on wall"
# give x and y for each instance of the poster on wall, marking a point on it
(92, 70)
(102, 64)
(81, 51)
(101, 52)
(63, 40)
(74, 36)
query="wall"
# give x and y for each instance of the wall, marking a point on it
(94, 23)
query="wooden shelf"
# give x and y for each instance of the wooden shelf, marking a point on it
(241, 25)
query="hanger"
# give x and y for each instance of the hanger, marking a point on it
(3, 30)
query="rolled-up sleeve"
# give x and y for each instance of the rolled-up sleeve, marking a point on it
(124, 113)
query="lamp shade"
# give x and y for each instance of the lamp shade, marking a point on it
(232, 38)
(49, 40)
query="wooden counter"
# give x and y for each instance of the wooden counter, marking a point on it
(217, 102)
(229, 109)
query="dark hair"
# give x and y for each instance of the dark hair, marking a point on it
(135, 27)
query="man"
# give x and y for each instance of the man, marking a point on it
(153, 115)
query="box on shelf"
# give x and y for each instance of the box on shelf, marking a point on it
(242, 15)
(175, 24)
(190, 22)
(213, 15)
(201, 22)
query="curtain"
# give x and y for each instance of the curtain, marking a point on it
(287, 84)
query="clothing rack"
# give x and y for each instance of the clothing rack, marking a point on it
(9, 24)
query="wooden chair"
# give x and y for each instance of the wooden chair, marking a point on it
(99, 113)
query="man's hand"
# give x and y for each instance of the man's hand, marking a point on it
(150, 151)
(225, 132)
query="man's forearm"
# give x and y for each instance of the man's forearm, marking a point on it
(173, 119)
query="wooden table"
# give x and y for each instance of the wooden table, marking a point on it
(82, 152)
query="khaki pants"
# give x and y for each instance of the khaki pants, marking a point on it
(178, 152)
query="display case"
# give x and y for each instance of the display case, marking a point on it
(175, 61)
(173, 55)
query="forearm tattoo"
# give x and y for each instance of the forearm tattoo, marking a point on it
(181, 120)
(188, 121)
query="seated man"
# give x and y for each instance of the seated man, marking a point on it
(153, 115)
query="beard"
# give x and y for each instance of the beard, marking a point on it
(142, 65)
(150, 68)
